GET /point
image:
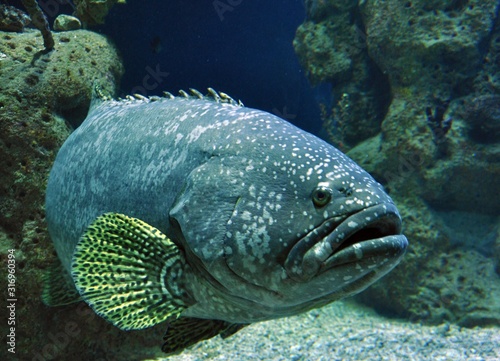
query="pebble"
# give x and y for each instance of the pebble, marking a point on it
(66, 23)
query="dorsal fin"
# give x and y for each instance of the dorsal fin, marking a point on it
(196, 93)
(212, 93)
(98, 97)
(141, 97)
(168, 95)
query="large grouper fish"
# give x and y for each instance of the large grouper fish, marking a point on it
(209, 215)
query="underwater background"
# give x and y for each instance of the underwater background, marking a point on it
(408, 89)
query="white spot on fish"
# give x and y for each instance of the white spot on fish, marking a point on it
(196, 133)
(358, 251)
(178, 138)
(246, 216)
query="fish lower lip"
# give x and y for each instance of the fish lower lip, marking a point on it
(388, 249)
(371, 232)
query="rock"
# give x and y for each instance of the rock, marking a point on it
(332, 48)
(433, 48)
(482, 114)
(12, 19)
(457, 282)
(66, 23)
(93, 12)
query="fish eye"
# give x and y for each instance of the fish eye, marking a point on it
(321, 196)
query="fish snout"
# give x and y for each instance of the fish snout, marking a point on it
(371, 237)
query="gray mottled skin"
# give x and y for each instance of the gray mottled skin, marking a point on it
(232, 187)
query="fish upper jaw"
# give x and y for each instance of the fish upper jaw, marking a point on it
(370, 235)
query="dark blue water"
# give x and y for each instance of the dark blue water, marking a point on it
(244, 49)
(241, 47)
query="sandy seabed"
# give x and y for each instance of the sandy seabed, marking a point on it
(346, 331)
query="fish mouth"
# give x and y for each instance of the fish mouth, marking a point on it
(371, 237)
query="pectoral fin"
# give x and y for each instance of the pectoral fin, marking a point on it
(129, 272)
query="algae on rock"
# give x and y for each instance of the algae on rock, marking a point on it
(93, 12)
(331, 46)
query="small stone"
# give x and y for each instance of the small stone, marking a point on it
(443, 329)
(66, 23)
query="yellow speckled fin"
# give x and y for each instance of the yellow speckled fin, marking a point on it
(58, 287)
(186, 331)
(129, 272)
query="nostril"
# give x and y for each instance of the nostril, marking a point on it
(346, 191)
